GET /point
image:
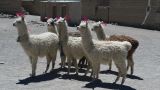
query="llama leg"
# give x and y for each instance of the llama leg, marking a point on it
(86, 62)
(76, 65)
(130, 63)
(97, 70)
(119, 70)
(94, 71)
(117, 78)
(81, 62)
(123, 70)
(110, 65)
(88, 67)
(69, 64)
(48, 63)
(62, 56)
(63, 60)
(123, 79)
(34, 66)
(53, 61)
(30, 58)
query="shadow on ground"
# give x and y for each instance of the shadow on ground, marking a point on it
(116, 73)
(77, 77)
(39, 78)
(55, 74)
(100, 84)
(73, 70)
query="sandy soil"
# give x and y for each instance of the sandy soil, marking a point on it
(15, 66)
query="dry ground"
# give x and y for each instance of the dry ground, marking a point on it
(15, 66)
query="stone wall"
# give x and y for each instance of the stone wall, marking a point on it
(54, 9)
(32, 6)
(126, 12)
(10, 6)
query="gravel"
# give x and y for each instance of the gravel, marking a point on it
(15, 66)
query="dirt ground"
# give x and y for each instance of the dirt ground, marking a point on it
(15, 66)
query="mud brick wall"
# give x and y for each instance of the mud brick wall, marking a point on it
(10, 6)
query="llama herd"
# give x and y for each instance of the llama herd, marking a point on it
(105, 50)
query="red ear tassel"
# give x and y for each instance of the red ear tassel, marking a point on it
(105, 23)
(47, 18)
(84, 18)
(67, 18)
(20, 14)
(57, 17)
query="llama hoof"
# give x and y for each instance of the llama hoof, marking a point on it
(76, 74)
(122, 83)
(44, 72)
(51, 70)
(32, 75)
(67, 73)
(114, 82)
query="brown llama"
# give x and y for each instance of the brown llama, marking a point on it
(97, 28)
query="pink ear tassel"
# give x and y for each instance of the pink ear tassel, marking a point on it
(20, 14)
(67, 17)
(47, 18)
(104, 23)
(84, 18)
(57, 17)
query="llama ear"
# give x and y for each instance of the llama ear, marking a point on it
(22, 18)
(86, 24)
(64, 19)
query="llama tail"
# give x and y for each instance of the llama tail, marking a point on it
(127, 45)
(135, 44)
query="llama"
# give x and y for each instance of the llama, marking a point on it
(45, 44)
(97, 28)
(52, 28)
(71, 46)
(102, 52)
(50, 25)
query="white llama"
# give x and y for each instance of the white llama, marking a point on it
(98, 29)
(72, 46)
(102, 52)
(45, 44)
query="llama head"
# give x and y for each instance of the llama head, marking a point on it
(96, 26)
(83, 26)
(61, 23)
(50, 23)
(20, 24)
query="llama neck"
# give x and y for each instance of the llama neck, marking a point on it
(23, 33)
(100, 34)
(87, 40)
(52, 29)
(63, 34)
